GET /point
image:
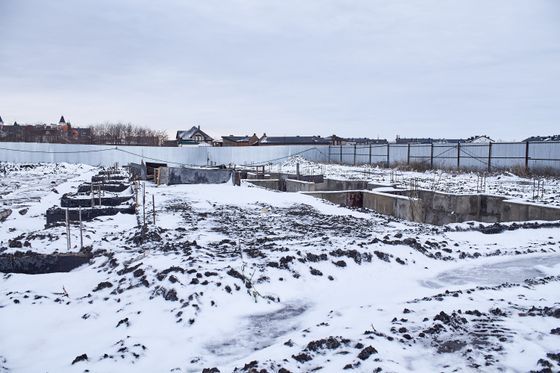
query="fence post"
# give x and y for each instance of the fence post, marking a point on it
(340, 153)
(458, 155)
(432, 155)
(489, 157)
(354, 154)
(369, 154)
(408, 155)
(388, 152)
(527, 156)
(329, 160)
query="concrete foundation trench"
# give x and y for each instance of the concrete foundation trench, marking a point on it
(33, 263)
(418, 205)
(109, 193)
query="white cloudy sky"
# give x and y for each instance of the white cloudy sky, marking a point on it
(372, 68)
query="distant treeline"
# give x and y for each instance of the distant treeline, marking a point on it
(125, 134)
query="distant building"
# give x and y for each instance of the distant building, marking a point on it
(194, 136)
(294, 140)
(169, 143)
(427, 140)
(63, 132)
(240, 140)
(543, 138)
(364, 141)
(336, 140)
(483, 139)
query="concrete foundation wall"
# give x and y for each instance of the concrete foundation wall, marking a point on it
(265, 183)
(401, 207)
(518, 211)
(423, 206)
(441, 208)
(292, 185)
(299, 186)
(339, 198)
(331, 184)
(183, 175)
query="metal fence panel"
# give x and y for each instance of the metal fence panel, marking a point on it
(508, 155)
(445, 155)
(537, 155)
(99, 155)
(107, 155)
(474, 156)
(544, 155)
(398, 154)
(251, 155)
(420, 153)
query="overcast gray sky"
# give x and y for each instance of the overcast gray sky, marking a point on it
(438, 68)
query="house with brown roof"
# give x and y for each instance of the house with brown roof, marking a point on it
(240, 140)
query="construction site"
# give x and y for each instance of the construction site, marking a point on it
(285, 266)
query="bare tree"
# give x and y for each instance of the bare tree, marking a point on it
(126, 134)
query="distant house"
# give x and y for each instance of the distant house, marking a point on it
(413, 140)
(82, 135)
(294, 140)
(240, 140)
(63, 132)
(543, 138)
(483, 139)
(194, 136)
(336, 140)
(11, 133)
(365, 141)
(427, 140)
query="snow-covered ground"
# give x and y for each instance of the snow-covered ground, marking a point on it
(244, 279)
(540, 189)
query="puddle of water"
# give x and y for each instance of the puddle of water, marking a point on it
(513, 271)
(258, 331)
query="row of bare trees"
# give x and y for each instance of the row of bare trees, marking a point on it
(126, 134)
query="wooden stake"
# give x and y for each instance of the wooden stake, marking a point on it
(136, 192)
(154, 207)
(92, 196)
(68, 242)
(99, 194)
(81, 228)
(144, 202)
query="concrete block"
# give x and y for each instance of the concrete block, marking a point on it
(184, 175)
(138, 171)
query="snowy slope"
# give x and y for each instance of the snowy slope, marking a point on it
(243, 278)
